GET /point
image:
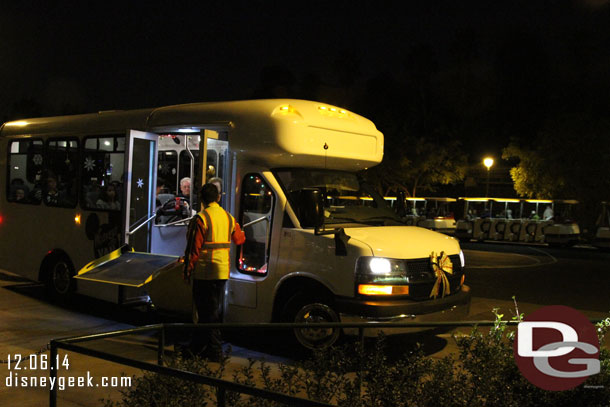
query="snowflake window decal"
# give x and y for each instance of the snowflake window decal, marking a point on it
(37, 159)
(164, 168)
(140, 182)
(89, 164)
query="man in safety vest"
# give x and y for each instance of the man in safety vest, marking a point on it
(207, 262)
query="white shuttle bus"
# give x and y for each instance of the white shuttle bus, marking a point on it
(80, 211)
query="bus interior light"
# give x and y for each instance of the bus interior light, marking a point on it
(187, 131)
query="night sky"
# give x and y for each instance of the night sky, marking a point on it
(70, 57)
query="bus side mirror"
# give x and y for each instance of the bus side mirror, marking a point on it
(310, 207)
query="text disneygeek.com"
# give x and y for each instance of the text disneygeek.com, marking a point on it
(19, 365)
(61, 383)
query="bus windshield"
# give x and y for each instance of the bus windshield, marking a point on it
(347, 198)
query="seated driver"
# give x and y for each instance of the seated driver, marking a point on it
(185, 194)
(185, 188)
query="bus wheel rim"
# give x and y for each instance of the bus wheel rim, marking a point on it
(61, 277)
(316, 337)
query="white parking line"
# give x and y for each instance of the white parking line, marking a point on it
(535, 261)
(553, 259)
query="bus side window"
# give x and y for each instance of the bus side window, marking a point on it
(59, 184)
(256, 207)
(25, 163)
(102, 173)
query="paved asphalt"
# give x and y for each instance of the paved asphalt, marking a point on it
(578, 277)
(536, 275)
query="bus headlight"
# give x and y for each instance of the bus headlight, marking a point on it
(381, 276)
(380, 266)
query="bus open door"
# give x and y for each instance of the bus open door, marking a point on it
(151, 249)
(128, 268)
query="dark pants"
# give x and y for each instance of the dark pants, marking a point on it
(208, 297)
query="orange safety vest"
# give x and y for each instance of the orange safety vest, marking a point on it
(218, 226)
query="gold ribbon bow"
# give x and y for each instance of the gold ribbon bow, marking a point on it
(441, 265)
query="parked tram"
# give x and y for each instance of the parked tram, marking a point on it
(602, 233)
(438, 215)
(474, 223)
(519, 220)
(561, 227)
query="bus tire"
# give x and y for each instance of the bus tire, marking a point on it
(58, 277)
(311, 309)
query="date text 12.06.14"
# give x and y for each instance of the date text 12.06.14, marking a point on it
(37, 362)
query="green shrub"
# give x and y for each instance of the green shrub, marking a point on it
(156, 390)
(483, 373)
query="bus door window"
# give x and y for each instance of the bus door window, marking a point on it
(217, 167)
(212, 163)
(167, 172)
(213, 174)
(25, 164)
(59, 184)
(256, 208)
(102, 173)
(184, 171)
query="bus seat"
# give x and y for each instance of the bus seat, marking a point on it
(164, 198)
(91, 198)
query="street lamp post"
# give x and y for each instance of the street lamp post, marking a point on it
(488, 162)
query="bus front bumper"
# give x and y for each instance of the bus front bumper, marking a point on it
(454, 307)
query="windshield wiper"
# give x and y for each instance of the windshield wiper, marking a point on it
(383, 217)
(342, 218)
(373, 220)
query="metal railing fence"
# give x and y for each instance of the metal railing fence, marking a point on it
(72, 344)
